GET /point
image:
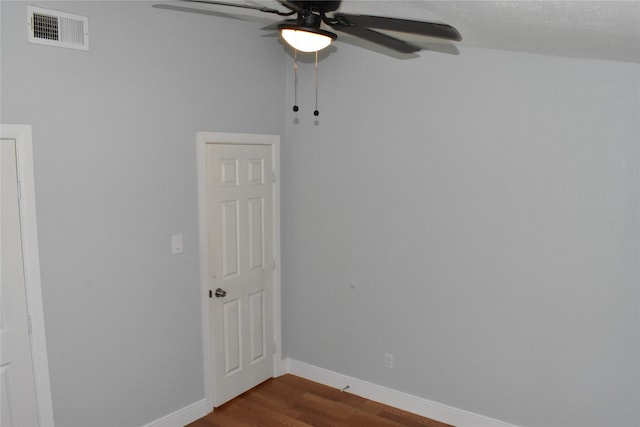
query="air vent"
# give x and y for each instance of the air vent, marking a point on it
(53, 28)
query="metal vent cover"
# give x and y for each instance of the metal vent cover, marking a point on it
(54, 28)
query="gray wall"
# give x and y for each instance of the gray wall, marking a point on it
(114, 146)
(485, 206)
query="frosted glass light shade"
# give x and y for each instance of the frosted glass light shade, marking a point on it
(306, 41)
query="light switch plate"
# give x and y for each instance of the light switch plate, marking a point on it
(176, 244)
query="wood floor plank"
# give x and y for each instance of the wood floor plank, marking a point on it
(328, 406)
(290, 401)
(264, 416)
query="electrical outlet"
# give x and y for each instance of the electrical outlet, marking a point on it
(388, 360)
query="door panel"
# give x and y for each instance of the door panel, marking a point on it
(232, 337)
(240, 223)
(230, 235)
(256, 234)
(256, 314)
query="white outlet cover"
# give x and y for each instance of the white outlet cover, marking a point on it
(388, 360)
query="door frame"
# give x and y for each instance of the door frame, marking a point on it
(202, 139)
(33, 286)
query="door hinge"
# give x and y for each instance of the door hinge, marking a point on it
(273, 176)
(210, 293)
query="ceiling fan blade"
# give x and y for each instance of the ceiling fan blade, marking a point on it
(274, 26)
(243, 6)
(168, 6)
(290, 5)
(376, 37)
(431, 29)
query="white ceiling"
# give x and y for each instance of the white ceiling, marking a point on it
(586, 29)
(572, 28)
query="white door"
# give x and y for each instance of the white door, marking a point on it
(240, 224)
(17, 389)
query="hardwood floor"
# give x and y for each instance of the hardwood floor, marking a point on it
(296, 402)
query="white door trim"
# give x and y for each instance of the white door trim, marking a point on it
(202, 139)
(24, 153)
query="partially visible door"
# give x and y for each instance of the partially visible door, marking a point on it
(17, 387)
(240, 224)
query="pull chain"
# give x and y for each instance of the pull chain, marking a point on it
(316, 112)
(295, 80)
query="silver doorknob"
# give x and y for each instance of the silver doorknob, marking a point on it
(221, 293)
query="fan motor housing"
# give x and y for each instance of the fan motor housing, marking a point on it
(324, 6)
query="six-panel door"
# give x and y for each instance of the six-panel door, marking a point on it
(240, 223)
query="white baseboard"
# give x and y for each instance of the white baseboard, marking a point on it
(417, 405)
(280, 367)
(182, 417)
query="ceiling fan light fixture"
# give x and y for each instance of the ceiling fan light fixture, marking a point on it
(306, 39)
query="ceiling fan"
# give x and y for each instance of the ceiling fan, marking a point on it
(304, 33)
